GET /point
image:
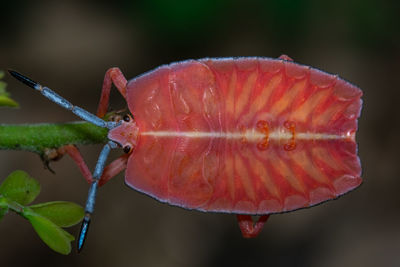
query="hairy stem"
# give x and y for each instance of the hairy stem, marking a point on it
(37, 137)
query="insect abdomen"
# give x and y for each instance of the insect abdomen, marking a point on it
(245, 135)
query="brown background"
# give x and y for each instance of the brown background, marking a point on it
(68, 45)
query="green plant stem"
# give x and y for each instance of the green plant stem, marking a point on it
(15, 207)
(12, 205)
(37, 137)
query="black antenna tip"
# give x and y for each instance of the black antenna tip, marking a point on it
(24, 79)
(83, 232)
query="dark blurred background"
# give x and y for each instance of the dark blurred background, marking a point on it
(68, 45)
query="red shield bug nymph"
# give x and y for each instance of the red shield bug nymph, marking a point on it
(247, 136)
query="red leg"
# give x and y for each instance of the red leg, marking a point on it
(109, 172)
(74, 153)
(114, 168)
(248, 228)
(113, 75)
(285, 57)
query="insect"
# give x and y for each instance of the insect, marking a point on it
(247, 136)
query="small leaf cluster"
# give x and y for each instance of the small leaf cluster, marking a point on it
(5, 100)
(19, 189)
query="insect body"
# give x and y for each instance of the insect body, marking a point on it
(248, 136)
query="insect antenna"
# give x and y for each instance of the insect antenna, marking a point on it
(53, 96)
(98, 171)
(89, 117)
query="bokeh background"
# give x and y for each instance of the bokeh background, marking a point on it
(68, 45)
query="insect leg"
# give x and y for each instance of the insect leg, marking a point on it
(113, 75)
(248, 228)
(76, 156)
(285, 57)
(114, 168)
(110, 171)
(98, 171)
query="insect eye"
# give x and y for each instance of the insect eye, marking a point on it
(127, 149)
(127, 118)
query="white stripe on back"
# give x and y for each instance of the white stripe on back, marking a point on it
(249, 135)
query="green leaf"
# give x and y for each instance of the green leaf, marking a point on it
(68, 235)
(20, 187)
(4, 206)
(5, 100)
(62, 213)
(3, 202)
(51, 234)
(3, 212)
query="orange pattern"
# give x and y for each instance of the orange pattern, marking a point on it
(305, 119)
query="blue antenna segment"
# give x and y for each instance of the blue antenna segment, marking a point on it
(91, 200)
(83, 232)
(98, 171)
(56, 98)
(87, 116)
(53, 96)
